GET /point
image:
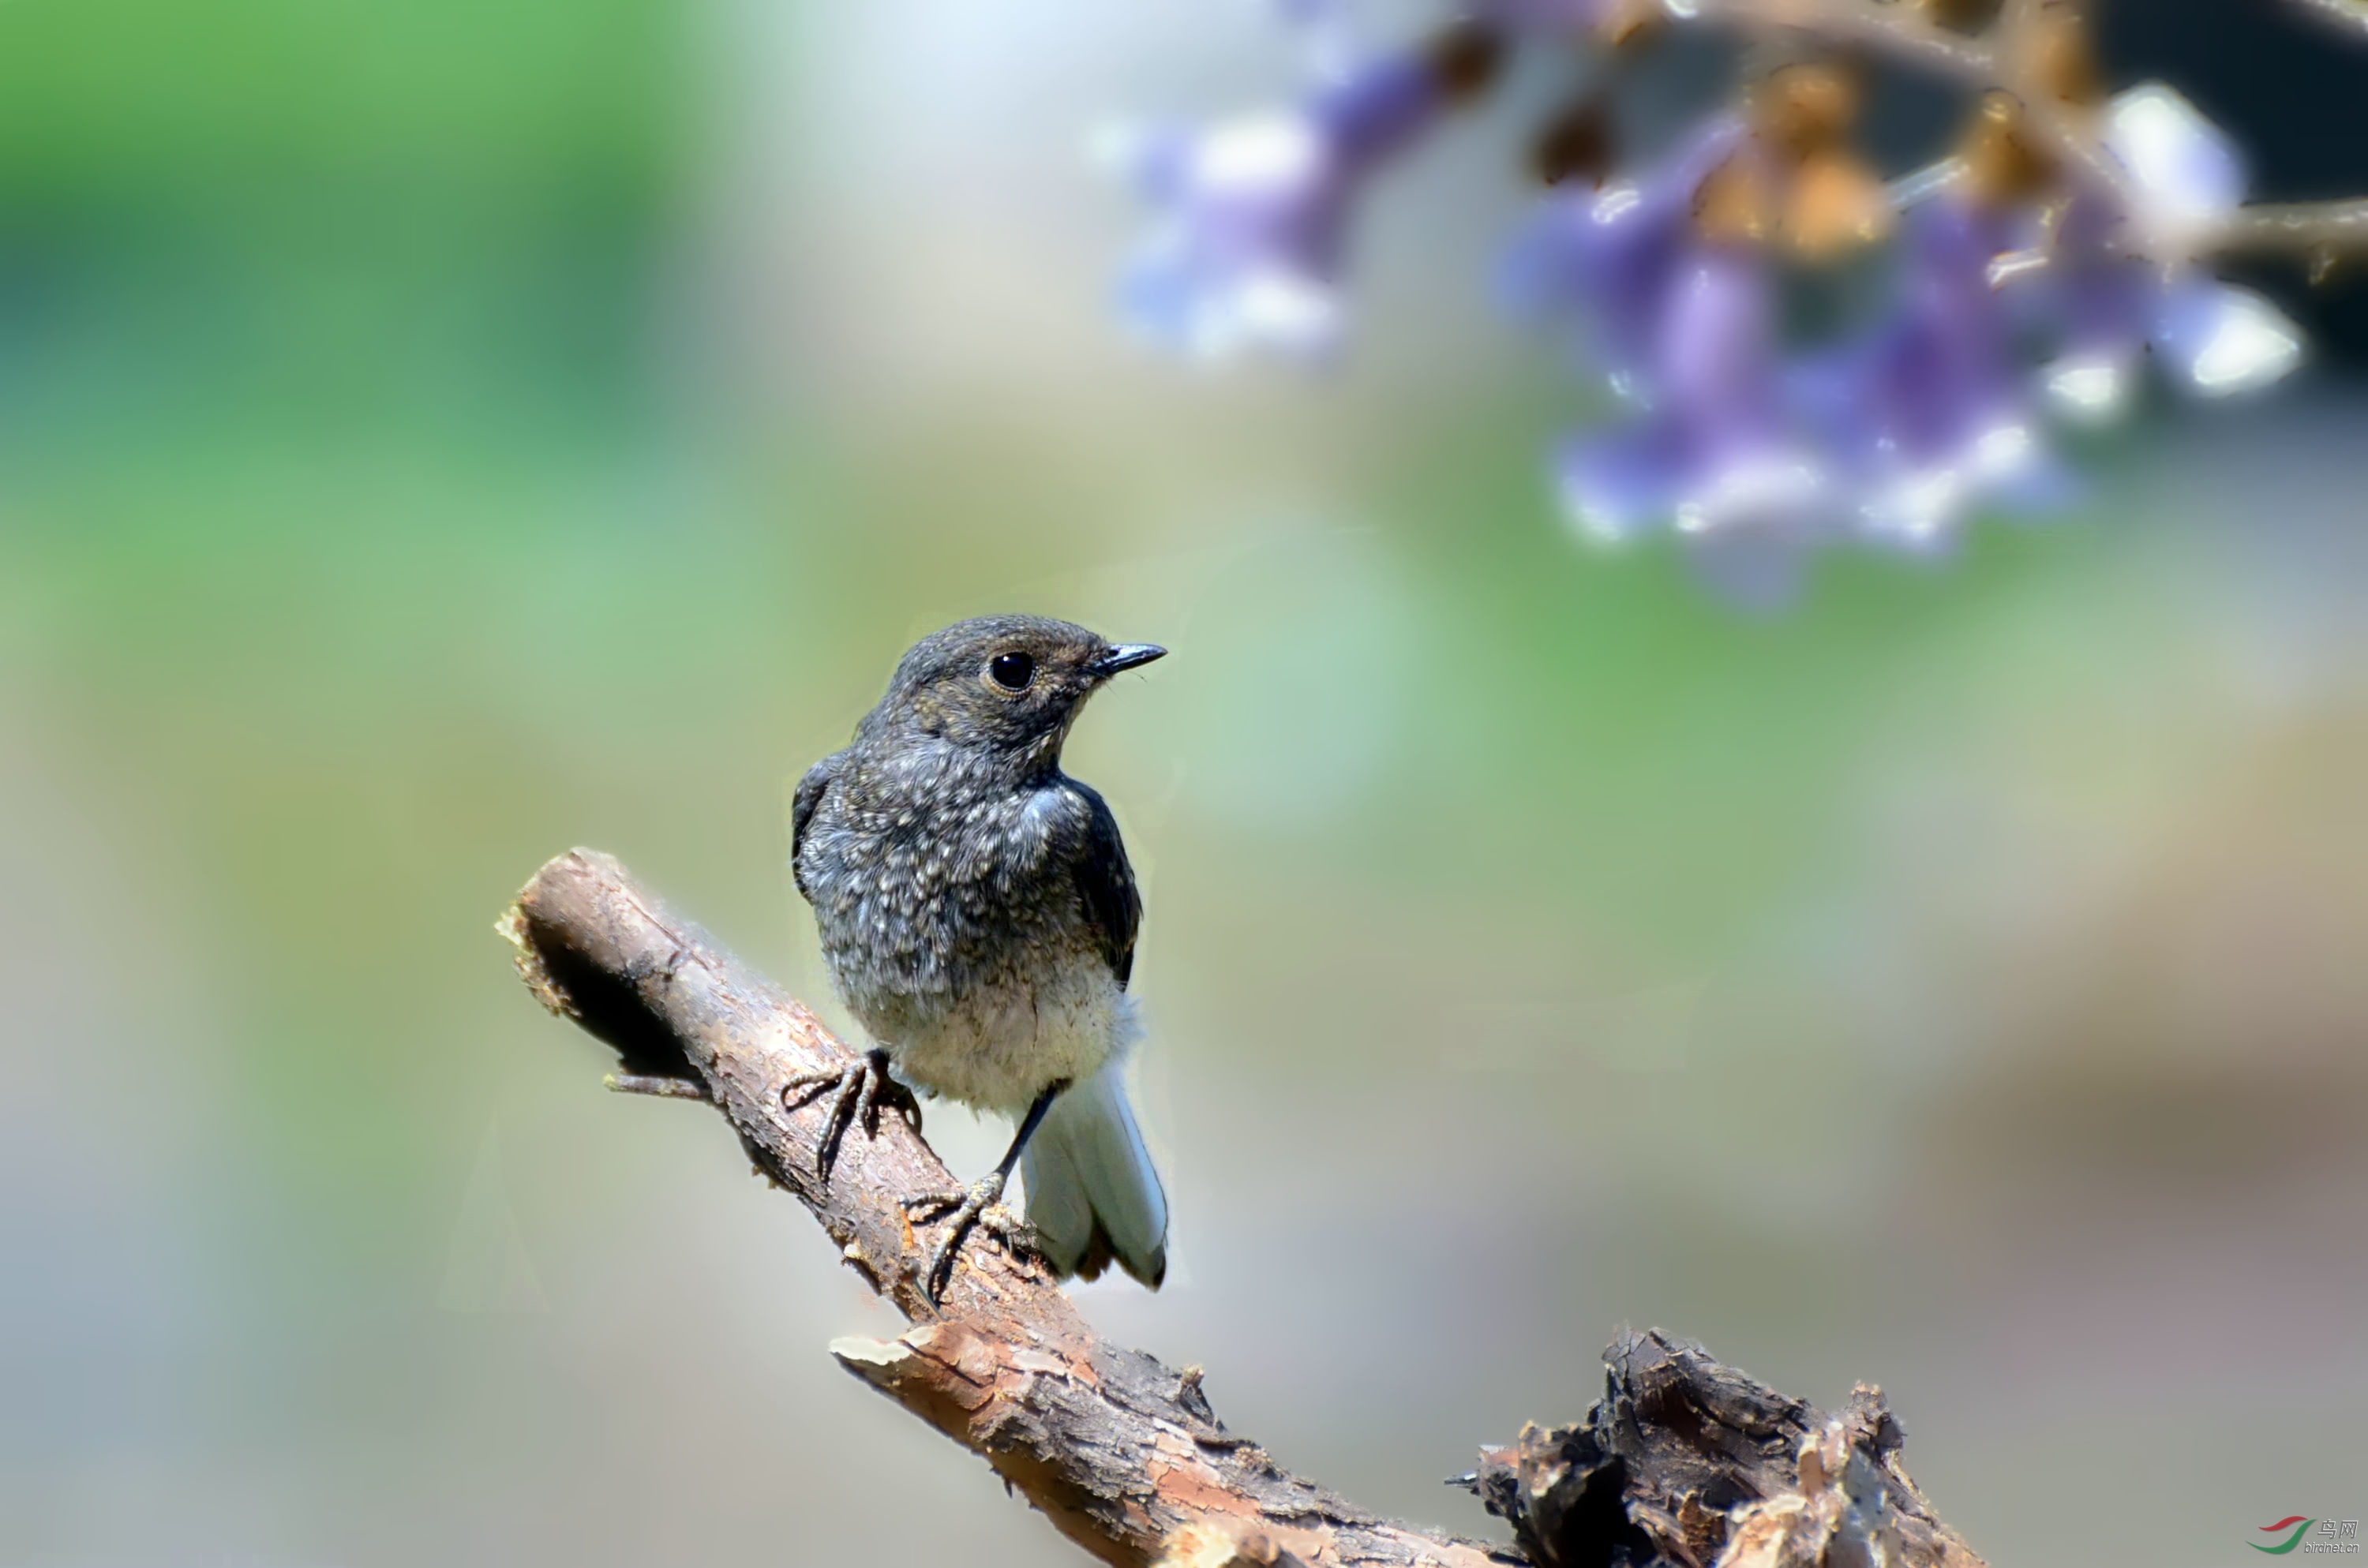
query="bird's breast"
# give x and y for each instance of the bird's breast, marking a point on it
(997, 1044)
(952, 928)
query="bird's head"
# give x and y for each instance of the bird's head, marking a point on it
(1009, 684)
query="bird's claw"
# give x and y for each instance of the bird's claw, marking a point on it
(976, 1207)
(863, 1087)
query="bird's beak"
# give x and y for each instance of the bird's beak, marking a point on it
(1125, 656)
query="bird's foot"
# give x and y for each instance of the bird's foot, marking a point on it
(977, 1207)
(861, 1089)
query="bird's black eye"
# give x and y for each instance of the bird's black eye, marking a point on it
(1012, 671)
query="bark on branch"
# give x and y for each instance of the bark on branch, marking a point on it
(1684, 1461)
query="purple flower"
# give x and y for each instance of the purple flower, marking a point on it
(1929, 412)
(2107, 305)
(2211, 338)
(2220, 340)
(2184, 171)
(1251, 245)
(1898, 432)
(1685, 329)
(1611, 258)
(2005, 302)
(1715, 449)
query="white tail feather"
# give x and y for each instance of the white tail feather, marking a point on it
(1088, 1171)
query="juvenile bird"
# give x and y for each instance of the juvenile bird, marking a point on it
(978, 916)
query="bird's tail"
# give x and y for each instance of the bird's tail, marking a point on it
(1092, 1193)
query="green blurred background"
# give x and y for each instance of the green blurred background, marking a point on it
(434, 435)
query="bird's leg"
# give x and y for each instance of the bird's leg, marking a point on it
(977, 1207)
(863, 1086)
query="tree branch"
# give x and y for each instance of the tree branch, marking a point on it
(1684, 1461)
(1123, 1455)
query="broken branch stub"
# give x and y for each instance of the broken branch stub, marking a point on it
(1686, 1462)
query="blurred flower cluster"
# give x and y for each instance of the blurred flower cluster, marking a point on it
(2021, 281)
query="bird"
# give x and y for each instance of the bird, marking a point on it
(977, 915)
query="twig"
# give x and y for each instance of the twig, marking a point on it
(2299, 226)
(2007, 57)
(2349, 15)
(1684, 1461)
(657, 1087)
(1893, 29)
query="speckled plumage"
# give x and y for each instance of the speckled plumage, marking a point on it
(975, 907)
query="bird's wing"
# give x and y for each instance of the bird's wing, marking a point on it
(1106, 886)
(802, 810)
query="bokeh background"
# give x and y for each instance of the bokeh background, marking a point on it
(435, 434)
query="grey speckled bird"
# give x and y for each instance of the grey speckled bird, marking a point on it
(978, 915)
